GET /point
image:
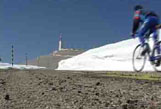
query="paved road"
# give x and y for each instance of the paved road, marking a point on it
(50, 89)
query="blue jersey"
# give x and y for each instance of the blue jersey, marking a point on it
(139, 18)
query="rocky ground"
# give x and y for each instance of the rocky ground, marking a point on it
(49, 89)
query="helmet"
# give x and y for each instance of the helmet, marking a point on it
(137, 7)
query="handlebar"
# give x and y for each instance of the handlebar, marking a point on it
(158, 26)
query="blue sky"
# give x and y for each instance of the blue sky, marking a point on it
(33, 26)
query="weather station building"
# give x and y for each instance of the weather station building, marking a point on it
(52, 60)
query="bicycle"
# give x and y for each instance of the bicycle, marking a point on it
(154, 56)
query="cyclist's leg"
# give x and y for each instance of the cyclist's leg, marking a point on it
(154, 22)
(155, 38)
(143, 29)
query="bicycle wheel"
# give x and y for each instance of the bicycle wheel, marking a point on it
(138, 61)
(156, 55)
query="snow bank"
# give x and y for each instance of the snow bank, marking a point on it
(7, 66)
(112, 57)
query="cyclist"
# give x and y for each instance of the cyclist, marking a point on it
(145, 21)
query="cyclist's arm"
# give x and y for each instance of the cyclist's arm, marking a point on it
(136, 21)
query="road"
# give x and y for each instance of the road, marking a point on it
(50, 89)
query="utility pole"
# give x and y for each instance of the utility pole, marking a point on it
(12, 55)
(26, 59)
(37, 61)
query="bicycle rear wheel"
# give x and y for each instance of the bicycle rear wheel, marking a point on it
(138, 61)
(156, 55)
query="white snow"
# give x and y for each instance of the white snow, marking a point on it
(111, 57)
(7, 66)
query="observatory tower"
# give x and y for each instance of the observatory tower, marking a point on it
(60, 42)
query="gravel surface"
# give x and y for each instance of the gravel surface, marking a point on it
(49, 89)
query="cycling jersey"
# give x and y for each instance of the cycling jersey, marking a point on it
(139, 17)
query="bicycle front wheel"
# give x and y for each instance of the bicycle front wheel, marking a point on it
(138, 60)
